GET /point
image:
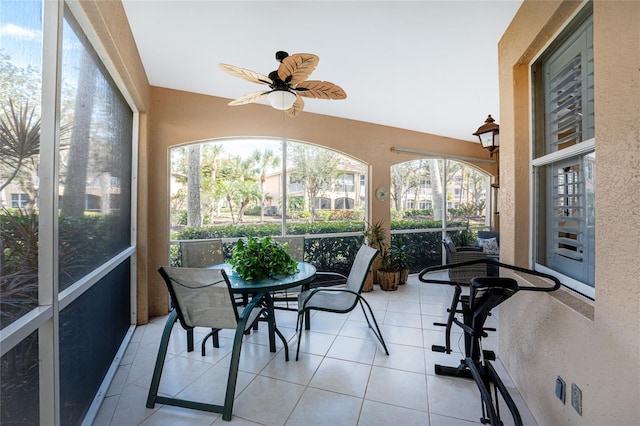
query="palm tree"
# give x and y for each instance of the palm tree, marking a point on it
(210, 193)
(241, 183)
(436, 188)
(194, 215)
(265, 160)
(20, 138)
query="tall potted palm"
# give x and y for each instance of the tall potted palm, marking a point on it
(375, 237)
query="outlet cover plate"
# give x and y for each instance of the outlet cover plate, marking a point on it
(561, 387)
(576, 398)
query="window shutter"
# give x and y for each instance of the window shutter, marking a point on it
(569, 93)
(568, 205)
(566, 223)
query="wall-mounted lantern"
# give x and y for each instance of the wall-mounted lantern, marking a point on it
(489, 135)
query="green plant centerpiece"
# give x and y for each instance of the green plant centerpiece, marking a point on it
(261, 257)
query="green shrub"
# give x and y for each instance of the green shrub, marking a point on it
(332, 253)
(252, 211)
(342, 215)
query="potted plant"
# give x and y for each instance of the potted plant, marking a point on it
(388, 273)
(401, 259)
(261, 257)
(375, 237)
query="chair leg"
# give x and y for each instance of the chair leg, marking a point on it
(162, 354)
(227, 409)
(307, 319)
(299, 325)
(376, 330)
(190, 340)
(284, 343)
(216, 341)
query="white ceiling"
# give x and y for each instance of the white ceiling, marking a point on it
(428, 66)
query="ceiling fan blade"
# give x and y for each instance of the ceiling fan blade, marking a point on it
(250, 98)
(320, 89)
(296, 108)
(298, 67)
(246, 74)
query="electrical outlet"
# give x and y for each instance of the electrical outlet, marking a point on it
(560, 389)
(576, 398)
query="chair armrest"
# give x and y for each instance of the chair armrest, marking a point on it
(326, 290)
(469, 248)
(255, 301)
(331, 274)
(327, 279)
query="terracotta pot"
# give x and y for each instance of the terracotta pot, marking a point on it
(377, 263)
(388, 280)
(404, 275)
(368, 283)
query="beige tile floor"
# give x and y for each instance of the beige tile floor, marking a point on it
(343, 376)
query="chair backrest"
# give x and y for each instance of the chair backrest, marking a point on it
(201, 297)
(449, 245)
(360, 268)
(295, 246)
(201, 253)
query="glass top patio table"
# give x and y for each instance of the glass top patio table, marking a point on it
(304, 275)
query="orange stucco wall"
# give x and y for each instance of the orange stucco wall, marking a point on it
(181, 117)
(168, 118)
(595, 344)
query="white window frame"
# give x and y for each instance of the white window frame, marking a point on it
(20, 199)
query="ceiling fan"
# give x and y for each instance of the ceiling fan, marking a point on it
(288, 84)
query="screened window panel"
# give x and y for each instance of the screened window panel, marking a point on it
(316, 176)
(19, 398)
(95, 161)
(20, 100)
(92, 328)
(249, 180)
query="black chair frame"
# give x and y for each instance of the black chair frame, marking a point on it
(257, 302)
(304, 310)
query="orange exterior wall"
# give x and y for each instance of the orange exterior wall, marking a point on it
(595, 344)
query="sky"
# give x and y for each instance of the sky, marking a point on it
(21, 32)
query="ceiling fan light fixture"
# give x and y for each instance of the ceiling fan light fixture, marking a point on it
(281, 99)
(288, 84)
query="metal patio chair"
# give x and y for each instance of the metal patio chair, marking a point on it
(204, 298)
(341, 299)
(200, 254)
